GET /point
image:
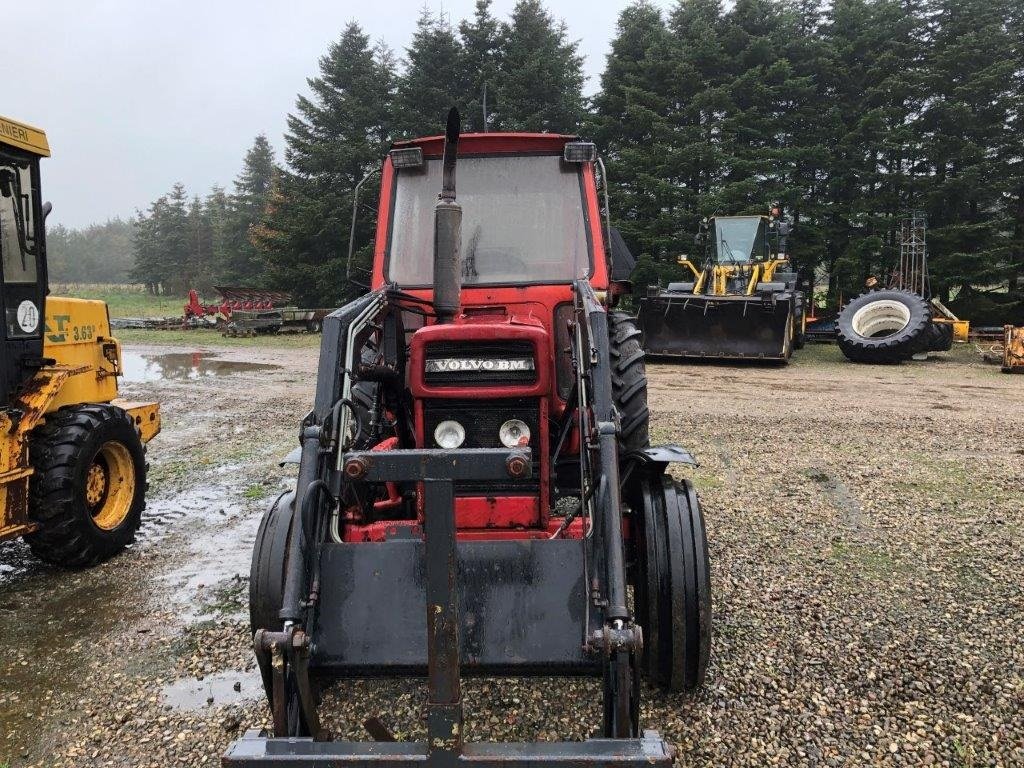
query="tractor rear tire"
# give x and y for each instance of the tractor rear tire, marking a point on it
(88, 489)
(884, 327)
(672, 584)
(940, 337)
(629, 382)
(269, 561)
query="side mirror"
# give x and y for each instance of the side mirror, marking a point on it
(784, 228)
(6, 182)
(700, 237)
(47, 208)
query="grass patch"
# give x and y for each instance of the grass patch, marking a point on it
(201, 337)
(253, 492)
(872, 563)
(228, 598)
(125, 300)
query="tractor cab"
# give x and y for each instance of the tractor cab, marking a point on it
(23, 280)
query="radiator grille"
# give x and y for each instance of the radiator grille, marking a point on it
(480, 362)
(481, 420)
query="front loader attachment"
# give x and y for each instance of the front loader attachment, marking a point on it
(440, 583)
(757, 327)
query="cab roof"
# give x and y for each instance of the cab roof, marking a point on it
(22, 136)
(492, 143)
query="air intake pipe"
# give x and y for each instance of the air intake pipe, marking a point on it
(448, 231)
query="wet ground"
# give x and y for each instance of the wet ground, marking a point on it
(865, 527)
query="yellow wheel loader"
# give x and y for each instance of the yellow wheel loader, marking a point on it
(741, 303)
(72, 465)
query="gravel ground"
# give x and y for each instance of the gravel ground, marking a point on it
(865, 528)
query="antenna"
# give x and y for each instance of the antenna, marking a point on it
(484, 107)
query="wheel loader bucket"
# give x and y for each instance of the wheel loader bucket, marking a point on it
(718, 327)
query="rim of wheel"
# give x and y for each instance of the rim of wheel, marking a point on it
(880, 319)
(110, 485)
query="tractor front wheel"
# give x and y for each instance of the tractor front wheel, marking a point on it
(672, 584)
(88, 489)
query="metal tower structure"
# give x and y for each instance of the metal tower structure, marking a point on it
(912, 274)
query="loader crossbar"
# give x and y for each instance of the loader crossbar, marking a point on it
(254, 751)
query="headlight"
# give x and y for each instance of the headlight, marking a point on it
(514, 433)
(449, 434)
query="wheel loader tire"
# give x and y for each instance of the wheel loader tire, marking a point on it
(269, 560)
(884, 327)
(629, 382)
(88, 489)
(940, 337)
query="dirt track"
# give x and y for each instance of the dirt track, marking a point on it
(865, 528)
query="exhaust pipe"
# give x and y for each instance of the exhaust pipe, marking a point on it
(448, 231)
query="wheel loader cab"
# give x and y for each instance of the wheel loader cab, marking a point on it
(22, 254)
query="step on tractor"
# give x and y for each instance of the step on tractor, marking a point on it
(476, 491)
(742, 301)
(72, 465)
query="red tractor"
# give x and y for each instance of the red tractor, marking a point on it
(476, 491)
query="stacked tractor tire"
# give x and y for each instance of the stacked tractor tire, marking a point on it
(889, 326)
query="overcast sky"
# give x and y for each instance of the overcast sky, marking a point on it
(135, 95)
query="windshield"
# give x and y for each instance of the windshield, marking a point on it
(735, 238)
(17, 228)
(522, 221)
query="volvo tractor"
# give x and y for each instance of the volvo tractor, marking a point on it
(741, 301)
(476, 491)
(72, 467)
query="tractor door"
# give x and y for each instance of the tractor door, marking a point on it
(22, 270)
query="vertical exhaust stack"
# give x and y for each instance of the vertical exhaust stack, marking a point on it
(448, 230)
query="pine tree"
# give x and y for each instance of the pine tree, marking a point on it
(700, 98)
(434, 79)
(763, 87)
(631, 126)
(334, 139)
(238, 260)
(969, 81)
(480, 41)
(540, 74)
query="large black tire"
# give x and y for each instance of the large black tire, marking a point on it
(884, 327)
(672, 583)
(88, 489)
(629, 382)
(940, 337)
(269, 560)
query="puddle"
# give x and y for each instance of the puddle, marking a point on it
(213, 690)
(183, 365)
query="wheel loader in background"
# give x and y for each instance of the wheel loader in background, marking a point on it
(742, 303)
(72, 466)
(476, 490)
